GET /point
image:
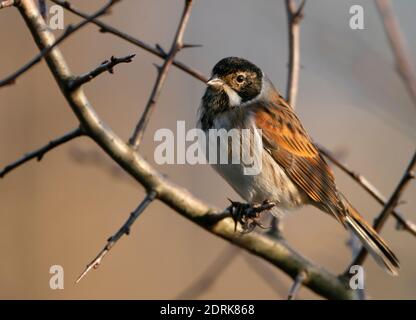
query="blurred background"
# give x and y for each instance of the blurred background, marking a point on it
(61, 210)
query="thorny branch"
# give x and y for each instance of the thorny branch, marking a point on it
(379, 222)
(106, 28)
(39, 153)
(162, 73)
(11, 79)
(107, 65)
(277, 252)
(362, 181)
(124, 230)
(294, 16)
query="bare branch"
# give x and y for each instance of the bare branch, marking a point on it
(209, 276)
(6, 3)
(294, 16)
(390, 205)
(107, 65)
(297, 284)
(397, 41)
(177, 45)
(39, 153)
(403, 223)
(106, 28)
(124, 230)
(279, 253)
(11, 79)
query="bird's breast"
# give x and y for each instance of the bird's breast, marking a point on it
(266, 182)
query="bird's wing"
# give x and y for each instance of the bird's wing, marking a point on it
(291, 147)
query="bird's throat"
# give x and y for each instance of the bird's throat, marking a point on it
(214, 102)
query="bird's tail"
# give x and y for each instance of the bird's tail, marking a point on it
(370, 239)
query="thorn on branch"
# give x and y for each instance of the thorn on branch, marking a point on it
(190, 45)
(39, 153)
(122, 35)
(46, 50)
(161, 50)
(298, 15)
(295, 14)
(297, 284)
(124, 230)
(107, 65)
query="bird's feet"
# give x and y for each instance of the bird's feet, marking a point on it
(248, 215)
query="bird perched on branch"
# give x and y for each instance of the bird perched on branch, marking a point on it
(293, 172)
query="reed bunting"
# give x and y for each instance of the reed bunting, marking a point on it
(240, 96)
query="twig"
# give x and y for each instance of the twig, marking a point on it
(107, 65)
(6, 3)
(39, 153)
(279, 253)
(124, 230)
(397, 41)
(390, 205)
(106, 28)
(11, 79)
(177, 45)
(371, 189)
(220, 263)
(294, 16)
(297, 284)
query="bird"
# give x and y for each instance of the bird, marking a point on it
(239, 95)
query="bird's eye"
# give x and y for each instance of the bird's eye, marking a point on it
(240, 78)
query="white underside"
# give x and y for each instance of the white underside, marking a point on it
(271, 183)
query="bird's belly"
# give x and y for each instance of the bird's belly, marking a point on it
(271, 183)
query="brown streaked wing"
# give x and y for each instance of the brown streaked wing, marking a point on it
(290, 146)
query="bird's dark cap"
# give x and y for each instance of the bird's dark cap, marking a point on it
(232, 64)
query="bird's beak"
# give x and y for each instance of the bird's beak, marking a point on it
(215, 82)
